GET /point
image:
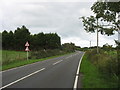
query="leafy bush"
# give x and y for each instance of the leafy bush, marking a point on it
(46, 53)
(105, 62)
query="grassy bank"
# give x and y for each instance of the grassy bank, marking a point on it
(25, 62)
(92, 77)
(11, 56)
(15, 56)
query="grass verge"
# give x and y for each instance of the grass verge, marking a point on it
(92, 78)
(25, 62)
(11, 56)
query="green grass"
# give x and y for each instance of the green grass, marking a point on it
(25, 62)
(111, 53)
(92, 78)
(10, 56)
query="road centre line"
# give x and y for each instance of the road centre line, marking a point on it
(22, 78)
(76, 78)
(66, 57)
(69, 56)
(57, 62)
(23, 66)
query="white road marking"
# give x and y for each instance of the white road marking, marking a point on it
(66, 57)
(75, 84)
(76, 78)
(57, 62)
(22, 66)
(22, 78)
(70, 56)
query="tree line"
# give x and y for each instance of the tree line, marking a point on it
(16, 40)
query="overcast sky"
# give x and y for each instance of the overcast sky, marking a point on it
(60, 16)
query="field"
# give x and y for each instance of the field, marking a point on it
(12, 59)
(10, 56)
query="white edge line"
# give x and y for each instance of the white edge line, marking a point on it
(22, 78)
(24, 65)
(76, 78)
(57, 62)
(19, 67)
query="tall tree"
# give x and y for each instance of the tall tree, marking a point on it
(105, 12)
(11, 40)
(69, 47)
(5, 40)
(21, 36)
(52, 41)
(17, 40)
(91, 25)
(108, 13)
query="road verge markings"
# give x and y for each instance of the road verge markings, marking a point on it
(22, 78)
(26, 65)
(77, 74)
(22, 66)
(57, 62)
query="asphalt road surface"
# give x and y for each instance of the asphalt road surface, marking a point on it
(58, 72)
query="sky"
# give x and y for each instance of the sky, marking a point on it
(55, 16)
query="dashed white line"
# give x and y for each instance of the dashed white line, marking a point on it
(22, 78)
(69, 56)
(66, 57)
(57, 62)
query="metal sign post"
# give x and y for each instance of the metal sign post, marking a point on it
(27, 55)
(27, 49)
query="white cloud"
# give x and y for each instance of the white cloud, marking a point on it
(31, 1)
(58, 16)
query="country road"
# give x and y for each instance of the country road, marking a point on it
(58, 72)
